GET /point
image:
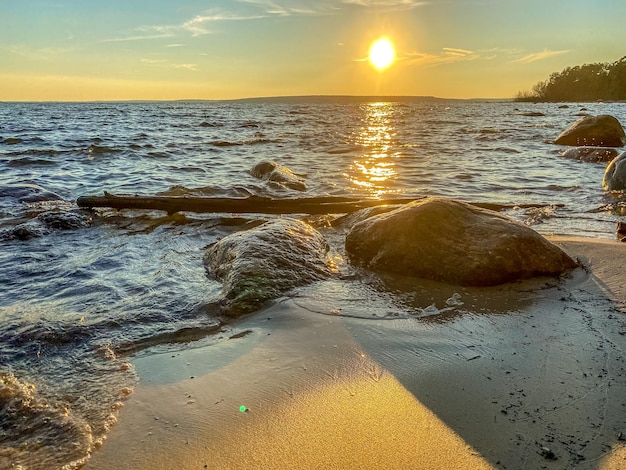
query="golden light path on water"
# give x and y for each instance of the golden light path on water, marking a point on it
(374, 169)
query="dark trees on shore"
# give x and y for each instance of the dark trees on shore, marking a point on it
(589, 82)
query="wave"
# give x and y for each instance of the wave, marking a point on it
(224, 143)
(101, 149)
(12, 141)
(344, 150)
(25, 161)
(28, 192)
(210, 124)
(38, 431)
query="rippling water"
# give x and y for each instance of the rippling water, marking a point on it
(80, 291)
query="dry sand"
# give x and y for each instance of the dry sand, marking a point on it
(516, 369)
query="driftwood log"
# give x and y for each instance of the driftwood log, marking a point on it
(254, 204)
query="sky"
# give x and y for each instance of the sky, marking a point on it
(81, 50)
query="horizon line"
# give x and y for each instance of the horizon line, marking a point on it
(277, 98)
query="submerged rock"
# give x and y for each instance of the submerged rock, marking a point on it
(23, 232)
(594, 131)
(614, 178)
(28, 193)
(262, 263)
(64, 220)
(591, 154)
(44, 223)
(454, 242)
(278, 174)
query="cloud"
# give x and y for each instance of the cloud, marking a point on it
(166, 64)
(534, 57)
(451, 51)
(198, 24)
(386, 4)
(327, 7)
(202, 23)
(450, 55)
(44, 53)
(447, 55)
(143, 33)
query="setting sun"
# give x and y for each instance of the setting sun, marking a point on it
(381, 53)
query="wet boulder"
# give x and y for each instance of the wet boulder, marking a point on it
(591, 154)
(614, 178)
(262, 263)
(594, 131)
(64, 220)
(278, 174)
(28, 193)
(454, 242)
(23, 232)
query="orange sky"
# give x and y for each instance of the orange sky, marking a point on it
(75, 50)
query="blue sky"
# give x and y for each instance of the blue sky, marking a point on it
(82, 50)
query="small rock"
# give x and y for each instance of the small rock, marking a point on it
(547, 454)
(278, 174)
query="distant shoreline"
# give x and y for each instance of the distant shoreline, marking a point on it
(303, 99)
(321, 99)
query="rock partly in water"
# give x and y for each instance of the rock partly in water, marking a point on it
(594, 131)
(454, 242)
(278, 174)
(615, 174)
(591, 154)
(262, 263)
(28, 193)
(45, 223)
(64, 220)
(23, 232)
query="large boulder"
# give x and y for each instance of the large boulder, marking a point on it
(591, 154)
(454, 242)
(262, 263)
(615, 174)
(594, 131)
(278, 175)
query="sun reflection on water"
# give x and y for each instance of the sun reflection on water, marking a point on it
(374, 169)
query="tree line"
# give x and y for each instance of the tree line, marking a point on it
(589, 82)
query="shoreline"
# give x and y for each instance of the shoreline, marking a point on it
(470, 390)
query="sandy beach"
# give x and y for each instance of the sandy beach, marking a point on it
(529, 375)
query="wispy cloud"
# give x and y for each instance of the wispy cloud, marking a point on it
(326, 7)
(43, 53)
(447, 55)
(450, 55)
(386, 4)
(245, 10)
(534, 57)
(143, 33)
(198, 25)
(166, 64)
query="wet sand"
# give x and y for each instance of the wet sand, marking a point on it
(534, 382)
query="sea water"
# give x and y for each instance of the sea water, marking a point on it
(82, 291)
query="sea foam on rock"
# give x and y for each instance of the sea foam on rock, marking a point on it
(614, 178)
(595, 131)
(454, 242)
(262, 263)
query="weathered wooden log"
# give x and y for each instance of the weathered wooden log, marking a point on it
(253, 204)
